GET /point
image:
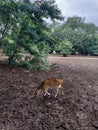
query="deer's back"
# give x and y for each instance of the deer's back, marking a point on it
(52, 82)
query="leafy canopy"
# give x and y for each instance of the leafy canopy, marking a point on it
(82, 36)
(23, 25)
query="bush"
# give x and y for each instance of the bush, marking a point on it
(40, 62)
(64, 48)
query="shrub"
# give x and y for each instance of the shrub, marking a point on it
(64, 48)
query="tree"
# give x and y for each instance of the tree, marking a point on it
(82, 35)
(23, 26)
(64, 48)
(75, 22)
(62, 43)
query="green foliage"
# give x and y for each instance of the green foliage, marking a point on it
(65, 48)
(25, 64)
(95, 50)
(40, 58)
(23, 28)
(75, 22)
(81, 35)
(40, 62)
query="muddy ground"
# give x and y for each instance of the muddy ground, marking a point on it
(76, 110)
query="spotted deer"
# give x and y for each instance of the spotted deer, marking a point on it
(50, 83)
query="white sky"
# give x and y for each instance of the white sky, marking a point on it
(84, 8)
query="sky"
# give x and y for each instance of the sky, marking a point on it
(84, 8)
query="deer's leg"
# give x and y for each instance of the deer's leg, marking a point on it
(62, 91)
(57, 91)
(59, 88)
(46, 92)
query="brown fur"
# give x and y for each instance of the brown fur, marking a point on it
(46, 84)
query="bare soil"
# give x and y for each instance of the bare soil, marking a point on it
(76, 110)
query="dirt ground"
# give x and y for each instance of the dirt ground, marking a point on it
(76, 110)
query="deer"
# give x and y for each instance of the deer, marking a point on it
(50, 83)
